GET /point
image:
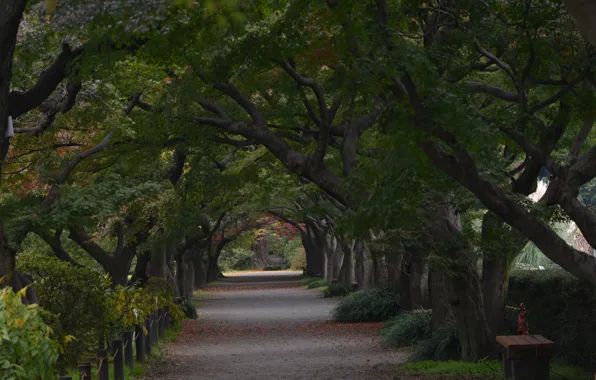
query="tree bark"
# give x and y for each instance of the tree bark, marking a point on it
(463, 281)
(393, 260)
(441, 309)
(363, 265)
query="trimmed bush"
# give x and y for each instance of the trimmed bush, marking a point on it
(442, 345)
(316, 283)
(190, 310)
(339, 290)
(407, 328)
(270, 268)
(560, 308)
(370, 305)
(76, 302)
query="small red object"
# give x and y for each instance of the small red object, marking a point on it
(522, 323)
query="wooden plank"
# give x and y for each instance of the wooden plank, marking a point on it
(505, 341)
(524, 341)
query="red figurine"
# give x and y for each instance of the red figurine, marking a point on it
(522, 324)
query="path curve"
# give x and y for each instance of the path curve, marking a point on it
(265, 326)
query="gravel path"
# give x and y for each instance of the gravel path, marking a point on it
(264, 326)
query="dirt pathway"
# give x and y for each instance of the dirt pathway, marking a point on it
(264, 326)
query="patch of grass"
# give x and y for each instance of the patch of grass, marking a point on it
(339, 290)
(443, 345)
(316, 283)
(489, 369)
(370, 305)
(407, 328)
(189, 309)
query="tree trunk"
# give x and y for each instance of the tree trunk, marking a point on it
(200, 264)
(261, 251)
(347, 269)
(405, 297)
(158, 265)
(364, 266)
(7, 256)
(314, 254)
(181, 274)
(463, 282)
(393, 261)
(500, 246)
(140, 273)
(190, 278)
(441, 309)
(416, 269)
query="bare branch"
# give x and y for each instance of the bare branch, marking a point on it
(495, 91)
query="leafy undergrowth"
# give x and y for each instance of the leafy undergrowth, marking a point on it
(316, 283)
(370, 305)
(483, 370)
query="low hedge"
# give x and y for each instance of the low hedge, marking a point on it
(370, 305)
(560, 308)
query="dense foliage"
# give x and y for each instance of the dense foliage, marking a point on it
(371, 305)
(27, 350)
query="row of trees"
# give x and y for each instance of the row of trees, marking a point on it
(400, 139)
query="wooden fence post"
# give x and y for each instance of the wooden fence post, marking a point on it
(84, 371)
(148, 341)
(167, 317)
(127, 343)
(161, 328)
(103, 364)
(140, 343)
(117, 351)
(154, 337)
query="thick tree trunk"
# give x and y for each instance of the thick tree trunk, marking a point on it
(346, 275)
(7, 256)
(500, 246)
(364, 265)
(380, 276)
(141, 273)
(190, 278)
(200, 265)
(393, 260)
(261, 251)
(463, 282)
(158, 265)
(441, 309)
(405, 293)
(181, 275)
(416, 271)
(314, 266)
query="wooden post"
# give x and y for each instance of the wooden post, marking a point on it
(167, 317)
(161, 328)
(103, 364)
(148, 340)
(154, 335)
(117, 351)
(84, 371)
(140, 343)
(127, 343)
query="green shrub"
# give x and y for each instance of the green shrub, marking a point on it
(26, 349)
(77, 297)
(407, 328)
(370, 305)
(270, 268)
(190, 310)
(338, 290)
(442, 345)
(237, 259)
(316, 283)
(560, 308)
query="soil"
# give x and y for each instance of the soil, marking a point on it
(265, 326)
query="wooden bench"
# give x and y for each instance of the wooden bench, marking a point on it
(526, 357)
